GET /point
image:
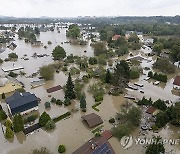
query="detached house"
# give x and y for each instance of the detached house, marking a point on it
(176, 82)
(116, 37)
(22, 103)
(12, 46)
(36, 43)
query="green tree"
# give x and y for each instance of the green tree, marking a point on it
(9, 133)
(160, 104)
(92, 61)
(3, 115)
(61, 148)
(83, 103)
(150, 74)
(133, 38)
(47, 72)
(158, 48)
(136, 46)
(121, 74)
(134, 74)
(122, 50)
(69, 88)
(8, 123)
(161, 119)
(120, 41)
(44, 118)
(73, 31)
(108, 77)
(3, 96)
(160, 63)
(50, 125)
(134, 116)
(122, 130)
(58, 53)
(175, 52)
(18, 123)
(12, 56)
(99, 48)
(156, 147)
(36, 30)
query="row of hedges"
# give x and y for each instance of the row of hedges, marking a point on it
(95, 105)
(61, 117)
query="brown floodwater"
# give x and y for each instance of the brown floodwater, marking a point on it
(72, 131)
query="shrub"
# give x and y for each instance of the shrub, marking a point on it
(112, 120)
(97, 134)
(21, 90)
(12, 74)
(74, 71)
(61, 148)
(98, 98)
(59, 102)
(65, 69)
(49, 42)
(154, 127)
(47, 105)
(67, 102)
(1, 61)
(30, 118)
(43, 150)
(12, 56)
(22, 73)
(92, 61)
(53, 100)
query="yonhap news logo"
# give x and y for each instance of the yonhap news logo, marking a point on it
(128, 141)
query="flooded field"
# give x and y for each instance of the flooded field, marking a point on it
(72, 132)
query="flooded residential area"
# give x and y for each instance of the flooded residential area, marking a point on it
(89, 84)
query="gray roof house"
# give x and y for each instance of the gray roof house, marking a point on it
(22, 103)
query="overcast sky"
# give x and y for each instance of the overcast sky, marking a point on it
(74, 8)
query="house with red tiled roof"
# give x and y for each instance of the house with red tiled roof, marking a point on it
(176, 83)
(96, 145)
(116, 37)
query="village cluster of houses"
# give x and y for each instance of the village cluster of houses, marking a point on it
(146, 41)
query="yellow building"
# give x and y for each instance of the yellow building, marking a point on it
(7, 86)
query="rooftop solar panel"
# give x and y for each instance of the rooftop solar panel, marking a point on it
(103, 149)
